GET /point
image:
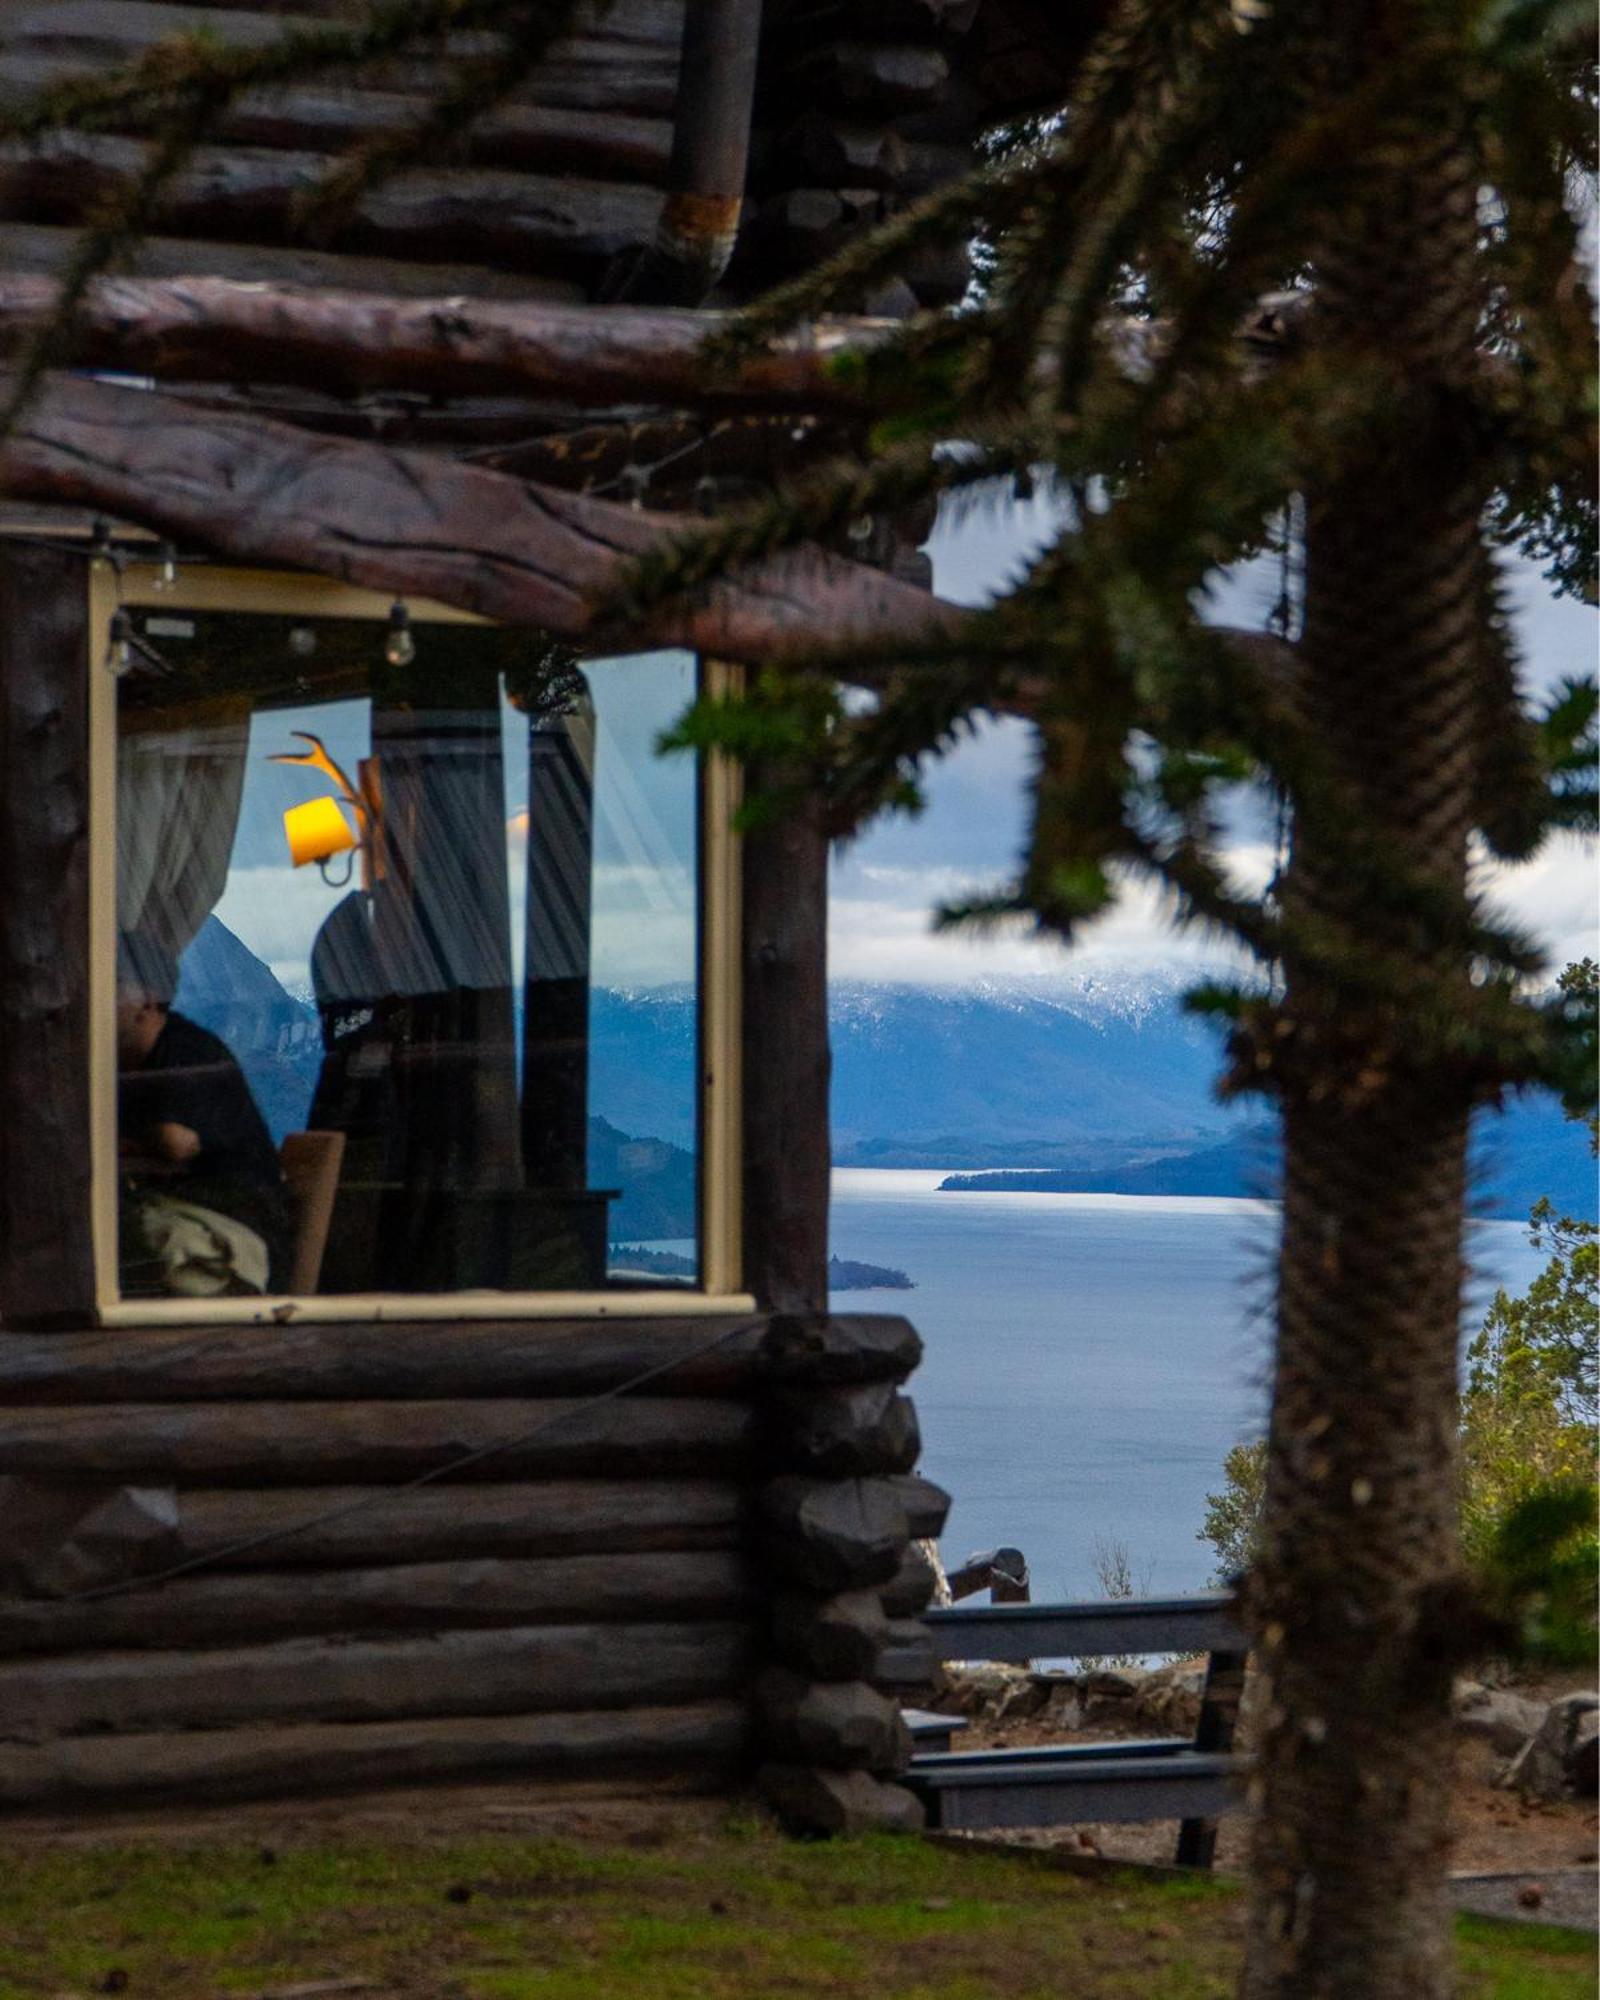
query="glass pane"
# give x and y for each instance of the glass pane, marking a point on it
(407, 961)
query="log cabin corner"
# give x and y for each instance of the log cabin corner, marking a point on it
(472, 1478)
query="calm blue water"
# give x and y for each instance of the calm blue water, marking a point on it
(1090, 1358)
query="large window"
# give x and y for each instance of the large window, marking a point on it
(408, 965)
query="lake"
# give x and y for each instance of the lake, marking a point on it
(1090, 1358)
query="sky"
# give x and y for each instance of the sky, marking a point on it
(887, 882)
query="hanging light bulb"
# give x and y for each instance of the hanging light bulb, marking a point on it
(119, 643)
(167, 577)
(400, 648)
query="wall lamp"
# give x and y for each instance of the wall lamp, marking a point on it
(318, 829)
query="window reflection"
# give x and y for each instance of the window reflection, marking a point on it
(407, 961)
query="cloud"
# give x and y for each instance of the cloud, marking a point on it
(881, 921)
(880, 927)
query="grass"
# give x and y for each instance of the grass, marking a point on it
(733, 1915)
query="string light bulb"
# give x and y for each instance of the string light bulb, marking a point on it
(119, 643)
(400, 647)
(167, 576)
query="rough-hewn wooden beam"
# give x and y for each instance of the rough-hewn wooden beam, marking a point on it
(399, 521)
(543, 223)
(256, 1762)
(420, 1597)
(353, 342)
(513, 1670)
(319, 118)
(621, 57)
(316, 1527)
(264, 1444)
(403, 1361)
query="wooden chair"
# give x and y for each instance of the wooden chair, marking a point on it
(311, 1163)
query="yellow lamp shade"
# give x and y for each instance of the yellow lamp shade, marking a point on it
(316, 830)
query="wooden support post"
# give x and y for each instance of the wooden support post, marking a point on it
(46, 1248)
(786, 1062)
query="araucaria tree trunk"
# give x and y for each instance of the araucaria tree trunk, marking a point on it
(1360, 1541)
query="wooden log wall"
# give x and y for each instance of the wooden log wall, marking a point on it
(858, 110)
(837, 1520)
(229, 1568)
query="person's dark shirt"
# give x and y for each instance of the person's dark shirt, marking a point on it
(191, 1078)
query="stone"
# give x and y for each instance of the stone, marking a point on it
(1168, 1698)
(978, 1690)
(1110, 1681)
(1108, 1696)
(1560, 1759)
(1505, 1720)
(1062, 1708)
(828, 1802)
(1024, 1700)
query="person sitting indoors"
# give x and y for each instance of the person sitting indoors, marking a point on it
(203, 1209)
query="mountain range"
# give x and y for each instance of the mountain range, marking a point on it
(1098, 1083)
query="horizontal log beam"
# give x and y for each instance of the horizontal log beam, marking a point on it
(834, 1534)
(320, 118)
(514, 1670)
(836, 1638)
(266, 1762)
(394, 1360)
(352, 1525)
(522, 222)
(406, 1359)
(810, 1801)
(267, 1443)
(43, 250)
(845, 1433)
(623, 58)
(405, 522)
(927, 1506)
(197, 1611)
(833, 1350)
(910, 1591)
(835, 1724)
(353, 342)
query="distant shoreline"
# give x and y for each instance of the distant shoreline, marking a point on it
(845, 1274)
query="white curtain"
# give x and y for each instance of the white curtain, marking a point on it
(178, 791)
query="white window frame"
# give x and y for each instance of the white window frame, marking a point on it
(208, 588)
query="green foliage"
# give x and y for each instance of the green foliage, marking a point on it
(1540, 1571)
(1529, 1427)
(1232, 1523)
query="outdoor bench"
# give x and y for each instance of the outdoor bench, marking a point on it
(1192, 1780)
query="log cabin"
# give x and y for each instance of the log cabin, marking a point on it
(509, 1437)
